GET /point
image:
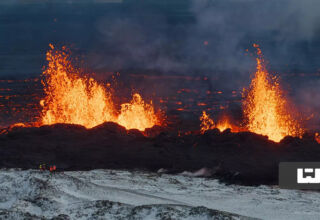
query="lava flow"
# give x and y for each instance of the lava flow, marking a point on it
(75, 99)
(265, 107)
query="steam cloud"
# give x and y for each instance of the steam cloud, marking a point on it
(187, 37)
(215, 39)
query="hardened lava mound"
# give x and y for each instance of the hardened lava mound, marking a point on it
(240, 158)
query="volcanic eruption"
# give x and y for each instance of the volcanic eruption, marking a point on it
(207, 123)
(105, 139)
(76, 99)
(266, 109)
(223, 123)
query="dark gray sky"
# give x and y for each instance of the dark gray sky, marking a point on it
(166, 36)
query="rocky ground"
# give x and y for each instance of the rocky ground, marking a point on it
(241, 158)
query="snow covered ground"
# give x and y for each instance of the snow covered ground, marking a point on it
(110, 194)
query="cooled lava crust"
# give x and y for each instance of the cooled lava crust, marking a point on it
(238, 158)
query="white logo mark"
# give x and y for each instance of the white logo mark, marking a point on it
(308, 175)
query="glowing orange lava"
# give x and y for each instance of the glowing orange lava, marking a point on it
(317, 137)
(137, 114)
(266, 109)
(225, 123)
(206, 122)
(75, 99)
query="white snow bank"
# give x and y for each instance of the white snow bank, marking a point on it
(118, 194)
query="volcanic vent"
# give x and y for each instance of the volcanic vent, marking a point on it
(72, 98)
(266, 109)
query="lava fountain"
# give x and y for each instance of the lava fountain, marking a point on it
(225, 123)
(75, 99)
(266, 108)
(206, 122)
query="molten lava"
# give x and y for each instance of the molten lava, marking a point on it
(317, 137)
(225, 123)
(266, 109)
(137, 114)
(75, 99)
(206, 122)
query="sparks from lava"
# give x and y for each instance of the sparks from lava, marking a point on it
(224, 123)
(207, 123)
(76, 99)
(265, 107)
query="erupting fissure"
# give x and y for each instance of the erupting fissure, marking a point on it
(207, 123)
(75, 99)
(265, 107)
(225, 123)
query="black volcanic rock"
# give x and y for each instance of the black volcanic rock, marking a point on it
(243, 158)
